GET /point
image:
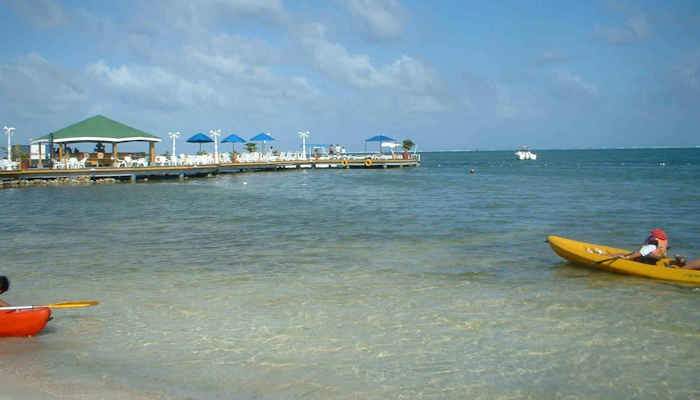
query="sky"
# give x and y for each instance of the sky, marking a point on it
(449, 75)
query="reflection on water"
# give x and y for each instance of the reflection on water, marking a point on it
(425, 282)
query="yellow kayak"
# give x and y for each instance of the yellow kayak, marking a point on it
(598, 256)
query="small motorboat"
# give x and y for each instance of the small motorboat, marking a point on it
(525, 154)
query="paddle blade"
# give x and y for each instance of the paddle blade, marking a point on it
(74, 304)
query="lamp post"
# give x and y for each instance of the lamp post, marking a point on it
(8, 132)
(303, 136)
(173, 137)
(215, 133)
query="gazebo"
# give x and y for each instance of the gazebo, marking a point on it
(100, 129)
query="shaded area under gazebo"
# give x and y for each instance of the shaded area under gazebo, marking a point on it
(99, 129)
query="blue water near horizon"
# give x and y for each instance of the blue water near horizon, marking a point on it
(425, 282)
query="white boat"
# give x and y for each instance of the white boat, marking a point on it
(525, 154)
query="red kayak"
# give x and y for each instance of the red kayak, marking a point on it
(25, 322)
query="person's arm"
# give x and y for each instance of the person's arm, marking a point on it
(631, 256)
(3, 304)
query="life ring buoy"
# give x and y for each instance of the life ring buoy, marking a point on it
(368, 162)
(344, 163)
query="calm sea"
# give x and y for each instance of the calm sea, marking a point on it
(425, 282)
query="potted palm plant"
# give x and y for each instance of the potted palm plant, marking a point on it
(407, 146)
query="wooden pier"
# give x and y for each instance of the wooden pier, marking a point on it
(182, 171)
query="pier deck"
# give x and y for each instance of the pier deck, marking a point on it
(134, 173)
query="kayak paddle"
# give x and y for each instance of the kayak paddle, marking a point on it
(65, 304)
(607, 259)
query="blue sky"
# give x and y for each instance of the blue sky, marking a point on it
(447, 74)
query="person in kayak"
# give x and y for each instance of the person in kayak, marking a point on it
(653, 249)
(4, 286)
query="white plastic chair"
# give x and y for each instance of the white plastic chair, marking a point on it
(83, 161)
(8, 165)
(59, 164)
(72, 163)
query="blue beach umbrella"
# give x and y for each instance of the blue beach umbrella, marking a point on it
(262, 137)
(380, 139)
(200, 138)
(233, 139)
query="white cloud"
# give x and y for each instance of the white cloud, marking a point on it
(273, 8)
(32, 87)
(639, 25)
(152, 85)
(636, 29)
(551, 56)
(43, 14)
(383, 18)
(232, 73)
(405, 82)
(194, 16)
(573, 83)
(254, 51)
(689, 71)
(405, 73)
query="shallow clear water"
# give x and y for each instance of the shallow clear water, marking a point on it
(424, 282)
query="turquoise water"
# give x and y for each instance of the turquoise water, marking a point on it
(426, 282)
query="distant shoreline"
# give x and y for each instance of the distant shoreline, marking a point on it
(572, 149)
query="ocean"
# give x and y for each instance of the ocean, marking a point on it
(428, 282)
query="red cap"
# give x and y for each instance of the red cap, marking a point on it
(659, 234)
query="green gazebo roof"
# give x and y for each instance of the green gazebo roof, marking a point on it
(99, 129)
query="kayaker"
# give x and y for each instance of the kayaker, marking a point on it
(4, 286)
(653, 249)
